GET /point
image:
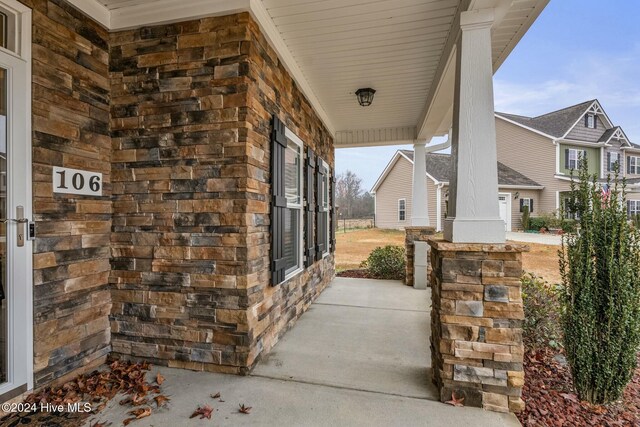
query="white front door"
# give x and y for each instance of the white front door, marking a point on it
(504, 201)
(16, 254)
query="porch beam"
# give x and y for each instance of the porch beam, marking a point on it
(473, 195)
(375, 137)
(420, 204)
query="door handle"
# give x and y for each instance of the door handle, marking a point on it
(21, 221)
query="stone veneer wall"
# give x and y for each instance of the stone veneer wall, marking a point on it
(412, 234)
(476, 323)
(190, 117)
(272, 310)
(71, 94)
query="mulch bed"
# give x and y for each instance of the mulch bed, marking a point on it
(355, 274)
(551, 401)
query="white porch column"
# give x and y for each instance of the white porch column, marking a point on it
(474, 215)
(419, 207)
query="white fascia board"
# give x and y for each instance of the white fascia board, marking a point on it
(95, 10)
(521, 187)
(581, 143)
(546, 135)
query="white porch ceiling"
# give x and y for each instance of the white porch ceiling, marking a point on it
(401, 48)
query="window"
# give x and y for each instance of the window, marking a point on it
(568, 207)
(528, 202)
(633, 164)
(402, 209)
(633, 208)
(572, 158)
(293, 214)
(612, 160)
(590, 121)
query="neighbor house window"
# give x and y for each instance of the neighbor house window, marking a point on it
(526, 202)
(633, 208)
(402, 209)
(292, 233)
(591, 121)
(573, 158)
(633, 164)
(612, 160)
(568, 207)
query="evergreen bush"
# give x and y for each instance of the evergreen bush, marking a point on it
(600, 268)
(386, 263)
(526, 223)
(541, 326)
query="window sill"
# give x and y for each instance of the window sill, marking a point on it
(293, 274)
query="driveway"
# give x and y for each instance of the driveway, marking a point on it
(545, 239)
(358, 357)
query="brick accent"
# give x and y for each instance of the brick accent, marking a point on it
(190, 117)
(413, 234)
(476, 323)
(71, 94)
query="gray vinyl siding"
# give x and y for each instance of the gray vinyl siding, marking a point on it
(534, 156)
(397, 185)
(582, 133)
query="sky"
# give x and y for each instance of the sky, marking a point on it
(575, 51)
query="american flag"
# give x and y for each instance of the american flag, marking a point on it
(606, 192)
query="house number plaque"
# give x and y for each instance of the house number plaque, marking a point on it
(75, 181)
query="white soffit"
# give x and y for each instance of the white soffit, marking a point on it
(333, 47)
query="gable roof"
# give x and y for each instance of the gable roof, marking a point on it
(556, 123)
(439, 167)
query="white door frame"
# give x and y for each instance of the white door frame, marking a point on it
(19, 286)
(508, 196)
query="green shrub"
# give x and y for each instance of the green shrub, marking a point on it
(600, 269)
(526, 218)
(541, 326)
(635, 220)
(537, 223)
(386, 263)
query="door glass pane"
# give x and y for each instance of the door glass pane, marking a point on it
(3, 231)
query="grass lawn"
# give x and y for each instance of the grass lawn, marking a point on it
(354, 246)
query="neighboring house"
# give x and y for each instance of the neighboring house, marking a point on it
(547, 148)
(536, 158)
(393, 193)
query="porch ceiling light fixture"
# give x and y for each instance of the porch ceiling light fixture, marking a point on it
(365, 96)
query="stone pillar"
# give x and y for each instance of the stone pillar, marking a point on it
(420, 205)
(476, 323)
(474, 215)
(417, 234)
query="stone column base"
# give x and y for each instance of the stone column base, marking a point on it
(416, 233)
(476, 323)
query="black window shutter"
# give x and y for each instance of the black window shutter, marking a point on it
(332, 206)
(321, 224)
(566, 158)
(628, 164)
(521, 205)
(586, 120)
(609, 162)
(530, 205)
(595, 121)
(278, 201)
(628, 207)
(310, 247)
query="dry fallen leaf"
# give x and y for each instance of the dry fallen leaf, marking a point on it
(244, 409)
(216, 396)
(159, 379)
(455, 401)
(204, 412)
(141, 413)
(161, 400)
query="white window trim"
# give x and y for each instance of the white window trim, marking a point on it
(577, 157)
(403, 210)
(300, 206)
(636, 208)
(609, 167)
(636, 165)
(591, 121)
(528, 202)
(327, 248)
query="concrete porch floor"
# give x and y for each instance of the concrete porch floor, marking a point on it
(358, 357)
